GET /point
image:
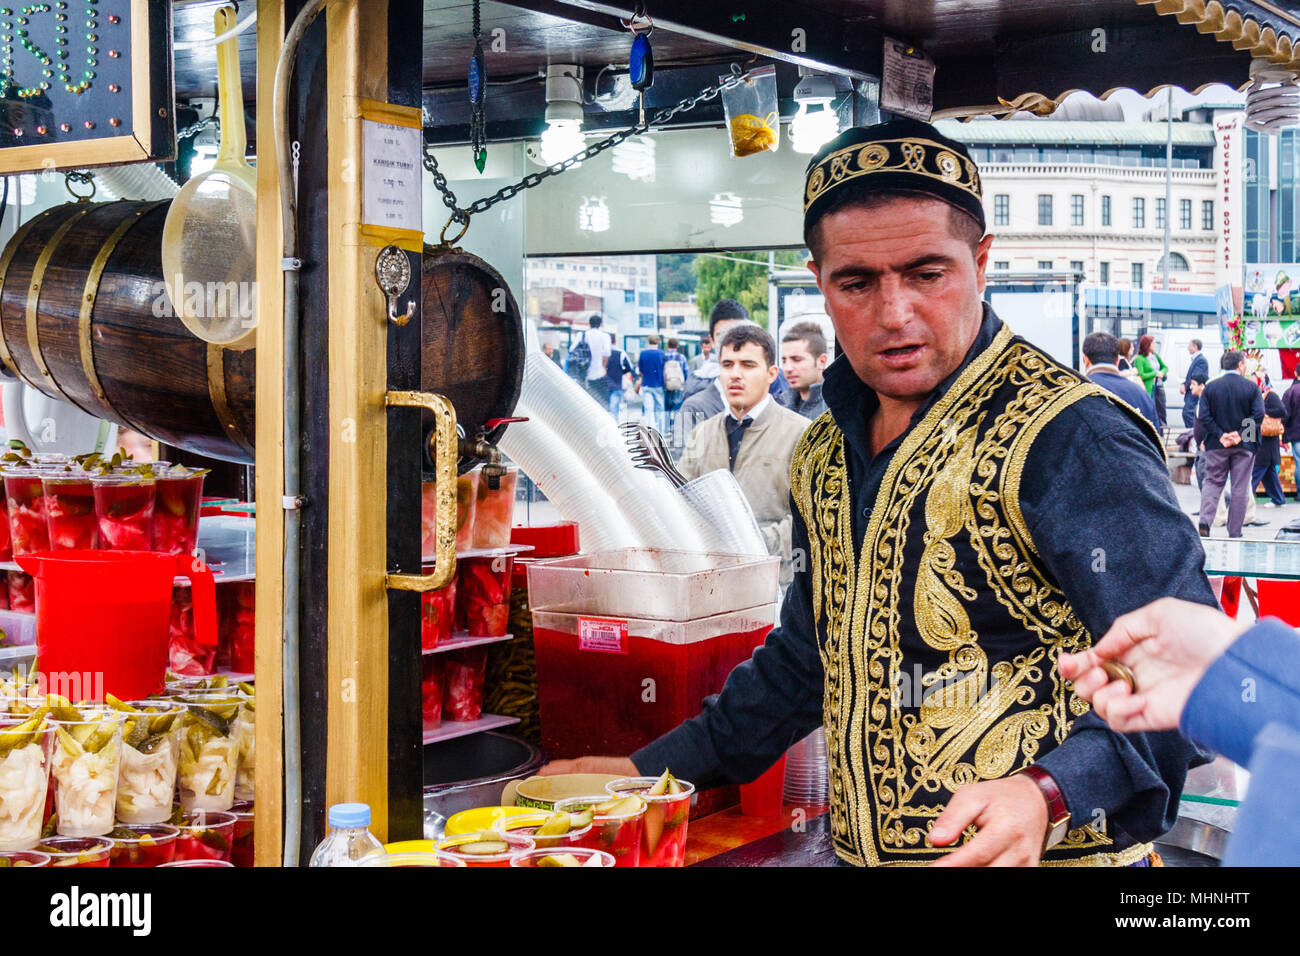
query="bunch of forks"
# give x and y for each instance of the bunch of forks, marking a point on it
(649, 451)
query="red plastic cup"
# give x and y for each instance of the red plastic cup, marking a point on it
(206, 835)
(762, 798)
(124, 506)
(483, 594)
(77, 851)
(463, 684)
(149, 844)
(437, 614)
(176, 512)
(70, 511)
(431, 691)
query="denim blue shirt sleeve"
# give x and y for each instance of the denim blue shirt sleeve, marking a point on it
(1266, 831)
(768, 703)
(1103, 515)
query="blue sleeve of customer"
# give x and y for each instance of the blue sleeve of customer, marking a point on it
(1255, 682)
(1266, 830)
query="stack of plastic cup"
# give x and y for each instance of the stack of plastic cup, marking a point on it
(807, 779)
(726, 518)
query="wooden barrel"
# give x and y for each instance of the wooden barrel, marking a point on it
(85, 317)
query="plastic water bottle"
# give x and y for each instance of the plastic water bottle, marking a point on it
(349, 837)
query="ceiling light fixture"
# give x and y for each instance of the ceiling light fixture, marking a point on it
(563, 135)
(816, 123)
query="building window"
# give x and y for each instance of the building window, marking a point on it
(1160, 213)
(1044, 210)
(1177, 263)
(1076, 266)
(1076, 210)
(1105, 210)
(1184, 214)
(629, 295)
(1002, 266)
(1139, 212)
(1104, 278)
(1001, 209)
(1044, 265)
(1135, 274)
(1207, 214)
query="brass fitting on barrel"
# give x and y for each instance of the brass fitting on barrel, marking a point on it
(481, 449)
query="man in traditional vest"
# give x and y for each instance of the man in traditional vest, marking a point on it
(958, 506)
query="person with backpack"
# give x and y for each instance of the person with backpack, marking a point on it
(650, 363)
(588, 360)
(675, 372)
(617, 373)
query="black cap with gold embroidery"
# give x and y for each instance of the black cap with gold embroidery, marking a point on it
(902, 154)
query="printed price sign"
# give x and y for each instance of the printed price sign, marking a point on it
(391, 195)
(602, 634)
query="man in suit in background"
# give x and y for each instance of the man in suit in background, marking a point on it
(1199, 366)
(1100, 355)
(1231, 411)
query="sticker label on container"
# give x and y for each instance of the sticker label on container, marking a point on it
(602, 634)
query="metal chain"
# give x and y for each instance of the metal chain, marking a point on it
(461, 216)
(197, 128)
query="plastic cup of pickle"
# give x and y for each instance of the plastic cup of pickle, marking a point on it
(77, 851)
(563, 857)
(209, 749)
(150, 758)
(139, 845)
(25, 748)
(16, 858)
(86, 761)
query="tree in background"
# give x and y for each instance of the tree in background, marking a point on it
(676, 277)
(718, 278)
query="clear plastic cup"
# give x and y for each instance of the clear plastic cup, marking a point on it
(6, 545)
(24, 780)
(25, 497)
(483, 592)
(211, 735)
(495, 510)
(198, 863)
(663, 833)
(500, 847)
(22, 592)
(463, 673)
(178, 495)
(466, 510)
(124, 506)
(151, 743)
(140, 845)
(527, 824)
(437, 616)
(583, 855)
(617, 833)
(242, 846)
(77, 851)
(87, 758)
(206, 835)
(433, 858)
(17, 858)
(70, 510)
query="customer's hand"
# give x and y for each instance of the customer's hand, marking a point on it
(1182, 389)
(1168, 645)
(1230, 439)
(620, 766)
(1011, 815)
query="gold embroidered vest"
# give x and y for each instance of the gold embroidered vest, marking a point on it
(940, 640)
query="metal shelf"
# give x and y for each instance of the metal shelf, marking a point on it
(460, 728)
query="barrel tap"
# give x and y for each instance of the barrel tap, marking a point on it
(481, 449)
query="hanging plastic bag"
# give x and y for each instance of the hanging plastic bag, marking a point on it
(751, 110)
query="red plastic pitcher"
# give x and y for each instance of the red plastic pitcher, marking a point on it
(102, 618)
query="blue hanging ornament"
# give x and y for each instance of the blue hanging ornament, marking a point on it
(641, 63)
(477, 82)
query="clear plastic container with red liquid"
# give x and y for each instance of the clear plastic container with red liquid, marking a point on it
(16, 858)
(494, 512)
(241, 846)
(466, 495)
(431, 691)
(145, 844)
(463, 673)
(437, 616)
(77, 851)
(205, 835)
(529, 823)
(607, 685)
(185, 654)
(236, 625)
(572, 855)
(663, 834)
(489, 848)
(617, 831)
(70, 510)
(178, 493)
(483, 593)
(21, 588)
(25, 498)
(124, 507)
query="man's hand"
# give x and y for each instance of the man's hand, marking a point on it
(1230, 439)
(1182, 389)
(1011, 815)
(619, 766)
(1168, 645)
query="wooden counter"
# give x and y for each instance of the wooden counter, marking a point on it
(798, 837)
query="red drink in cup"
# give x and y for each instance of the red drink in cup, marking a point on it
(205, 835)
(483, 591)
(495, 510)
(566, 856)
(489, 848)
(437, 613)
(77, 851)
(463, 682)
(617, 826)
(124, 506)
(431, 691)
(70, 511)
(6, 546)
(25, 495)
(668, 805)
(185, 655)
(146, 844)
(178, 492)
(22, 592)
(241, 847)
(17, 858)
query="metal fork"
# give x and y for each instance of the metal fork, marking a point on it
(649, 451)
